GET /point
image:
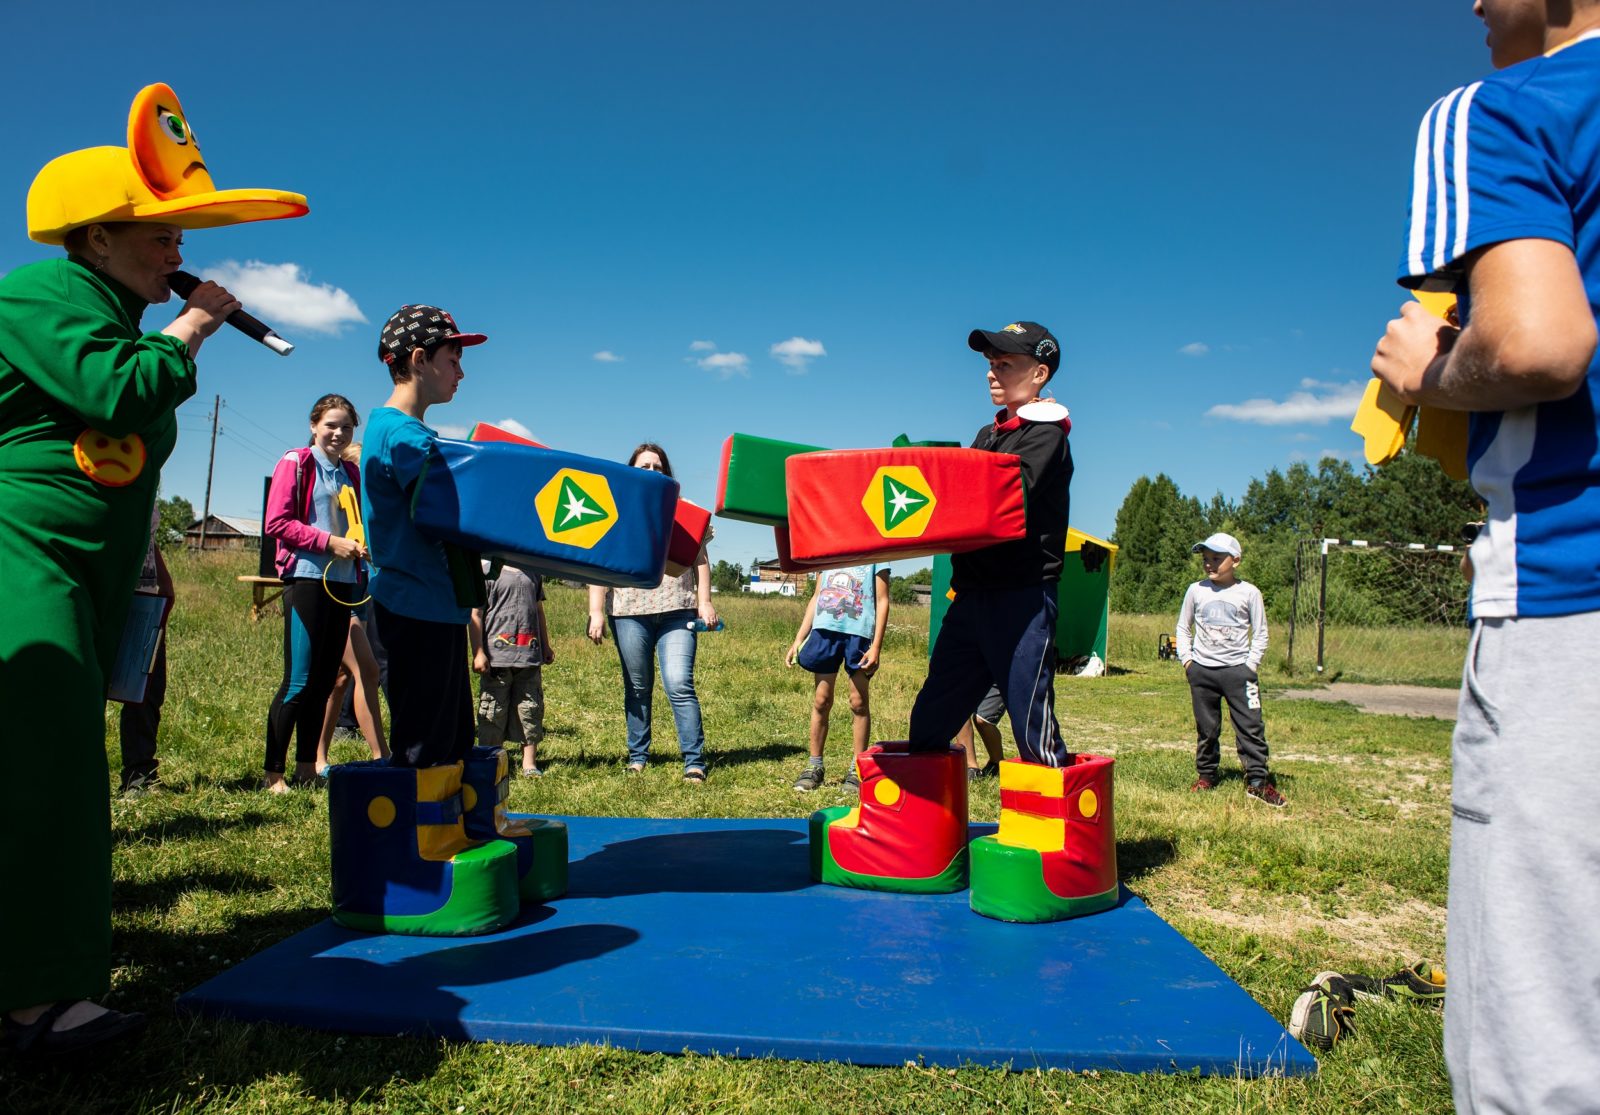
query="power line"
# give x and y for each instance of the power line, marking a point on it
(275, 436)
(241, 440)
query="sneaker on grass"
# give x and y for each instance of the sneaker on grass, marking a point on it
(1266, 793)
(809, 779)
(1201, 784)
(1319, 1020)
(1423, 982)
(851, 783)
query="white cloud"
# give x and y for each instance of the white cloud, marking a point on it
(702, 346)
(797, 353)
(1195, 348)
(458, 432)
(606, 356)
(726, 364)
(1327, 454)
(281, 294)
(1316, 405)
(518, 428)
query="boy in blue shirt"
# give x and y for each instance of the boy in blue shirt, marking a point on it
(1505, 212)
(843, 626)
(424, 626)
(1001, 626)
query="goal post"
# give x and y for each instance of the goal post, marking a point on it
(1384, 611)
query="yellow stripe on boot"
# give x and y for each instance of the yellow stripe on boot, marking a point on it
(440, 842)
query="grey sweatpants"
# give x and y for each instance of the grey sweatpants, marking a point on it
(1522, 949)
(1209, 686)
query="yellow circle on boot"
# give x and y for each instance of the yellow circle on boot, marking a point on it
(469, 797)
(887, 791)
(380, 811)
(1088, 803)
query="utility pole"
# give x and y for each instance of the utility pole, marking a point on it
(216, 414)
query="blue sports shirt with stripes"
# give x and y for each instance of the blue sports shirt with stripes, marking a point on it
(1516, 156)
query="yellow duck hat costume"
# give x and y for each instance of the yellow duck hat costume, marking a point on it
(159, 176)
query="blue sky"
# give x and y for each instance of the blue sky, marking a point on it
(677, 221)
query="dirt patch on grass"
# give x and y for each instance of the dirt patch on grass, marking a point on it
(1389, 700)
(1408, 924)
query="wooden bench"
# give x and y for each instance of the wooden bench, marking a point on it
(261, 593)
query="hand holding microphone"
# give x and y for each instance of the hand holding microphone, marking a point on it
(184, 286)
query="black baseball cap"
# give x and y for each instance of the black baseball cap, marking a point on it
(1026, 338)
(420, 327)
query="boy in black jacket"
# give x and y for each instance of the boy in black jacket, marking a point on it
(1002, 624)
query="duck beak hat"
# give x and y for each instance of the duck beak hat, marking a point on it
(159, 176)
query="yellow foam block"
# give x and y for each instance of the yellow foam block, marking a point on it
(1024, 830)
(440, 842)
(1032, 778)
(1382, 422)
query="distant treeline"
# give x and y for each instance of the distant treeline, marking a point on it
(1409, 500)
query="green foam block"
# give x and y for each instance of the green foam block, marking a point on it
(546, 877)
(483, 898)
(825, 869)
(753, 487)
(1008, 885)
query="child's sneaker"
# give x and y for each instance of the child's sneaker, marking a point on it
(1267, 793)
(1347, 987)
(809, 779)
(1319, 1020)
(1200, 785)
(1423, 982)
(851, 783)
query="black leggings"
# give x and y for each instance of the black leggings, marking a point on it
(315, 629)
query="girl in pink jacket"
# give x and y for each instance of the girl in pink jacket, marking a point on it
(322, 575)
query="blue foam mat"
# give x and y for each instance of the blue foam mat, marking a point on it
(709, 936)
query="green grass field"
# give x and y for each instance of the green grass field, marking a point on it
(1351, 876)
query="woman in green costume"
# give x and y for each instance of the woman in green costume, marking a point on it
(86, 420)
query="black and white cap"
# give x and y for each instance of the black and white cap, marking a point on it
(420, 327)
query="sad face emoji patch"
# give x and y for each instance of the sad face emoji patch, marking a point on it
(114, 462)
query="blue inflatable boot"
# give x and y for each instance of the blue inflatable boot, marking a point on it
(402, 861)
(541, 845)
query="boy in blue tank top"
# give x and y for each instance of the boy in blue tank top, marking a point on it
(1504, 213)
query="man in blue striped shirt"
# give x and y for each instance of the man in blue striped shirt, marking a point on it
(1505, 212)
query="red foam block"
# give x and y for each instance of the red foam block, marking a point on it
(855, 505)
(690, 525)
(483, 431)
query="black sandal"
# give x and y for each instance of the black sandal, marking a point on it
(37, 1039)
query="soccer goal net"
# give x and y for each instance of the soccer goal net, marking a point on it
(1378, 611)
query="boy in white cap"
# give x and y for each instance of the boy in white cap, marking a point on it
(1222, 637)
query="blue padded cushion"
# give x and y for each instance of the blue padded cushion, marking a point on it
(481, 495)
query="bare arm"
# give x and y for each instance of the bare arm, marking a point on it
(480, 658)
(805, 627)
(1529, 338)
(880, 622)
(702, 588)
(547, 651)
(597, 614)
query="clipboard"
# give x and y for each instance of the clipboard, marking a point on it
(136, 654)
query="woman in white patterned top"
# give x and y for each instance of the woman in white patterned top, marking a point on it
(660, 620)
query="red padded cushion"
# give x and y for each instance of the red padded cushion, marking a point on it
(855, 505)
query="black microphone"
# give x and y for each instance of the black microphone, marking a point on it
(183, 284)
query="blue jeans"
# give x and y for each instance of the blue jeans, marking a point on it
(639, 639)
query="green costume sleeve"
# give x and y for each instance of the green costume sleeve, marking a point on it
(67, 332)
